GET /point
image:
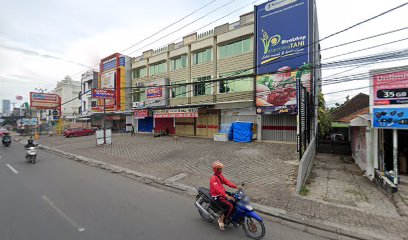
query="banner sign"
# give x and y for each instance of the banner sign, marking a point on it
(141, 114)
(276, 93)
(103, 94)
(282, 35)
(154, 92)
(390, 118)
(44, 100)
(176, 113)
(30, 121)
(391, 88)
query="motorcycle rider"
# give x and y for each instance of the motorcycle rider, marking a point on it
(218, 193)
(5, 136)
(30, 143)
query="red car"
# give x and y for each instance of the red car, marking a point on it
(77, 132)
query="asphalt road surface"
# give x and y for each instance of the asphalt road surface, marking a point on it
(61, 199)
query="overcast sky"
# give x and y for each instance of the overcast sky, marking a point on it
(42, 41)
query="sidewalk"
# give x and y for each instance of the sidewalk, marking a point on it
(268, 169)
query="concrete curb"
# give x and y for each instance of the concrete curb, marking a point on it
(326, 229)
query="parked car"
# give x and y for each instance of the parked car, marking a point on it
(337, 137)
(77, 132)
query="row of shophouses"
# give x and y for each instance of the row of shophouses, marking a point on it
(185, 100)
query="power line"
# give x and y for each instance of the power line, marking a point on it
(171, 24)
(338, 32)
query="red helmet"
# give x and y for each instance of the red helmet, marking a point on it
(217, 165)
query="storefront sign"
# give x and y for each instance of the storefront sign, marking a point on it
(390, 118)
(287, 109)
(390, 88)
(44, 100)
(140, 114)
(103, 94)
(114, 117)
(279, 45)
(176, 113)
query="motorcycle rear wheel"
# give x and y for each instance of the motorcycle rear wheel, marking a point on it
(202, 214)
(251, 230)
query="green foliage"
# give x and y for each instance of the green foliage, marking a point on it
(304, 191)
(324, 117)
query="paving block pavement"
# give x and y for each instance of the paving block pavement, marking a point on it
(268, 169)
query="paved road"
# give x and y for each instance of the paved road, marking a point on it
(62, 199)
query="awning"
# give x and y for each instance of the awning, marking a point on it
(340, 125)
(361, 121)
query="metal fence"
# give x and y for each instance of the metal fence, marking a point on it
(306, 164)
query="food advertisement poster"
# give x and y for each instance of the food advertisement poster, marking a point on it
(282, 35)
(390, 88)
(390, 118)
(276, 93)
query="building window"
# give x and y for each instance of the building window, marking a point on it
(236, 85)
(178, 91)
(158, 68)
(203, 56)
(179, 62)
(139, 72)
(93, 104)
(203, 88)
(236, 48)
(139, 95)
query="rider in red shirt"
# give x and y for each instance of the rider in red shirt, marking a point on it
(218, 193)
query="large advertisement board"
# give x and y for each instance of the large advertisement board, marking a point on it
(390, 118)
(276, 93)
(44, 100)
(282, 35)
(108, 79)
(157, 96)
(390, 88)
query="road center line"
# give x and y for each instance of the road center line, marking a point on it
(11, 168)
(60, 212)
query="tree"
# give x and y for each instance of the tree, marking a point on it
(324, 117)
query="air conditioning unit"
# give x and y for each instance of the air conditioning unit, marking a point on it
(138, 105)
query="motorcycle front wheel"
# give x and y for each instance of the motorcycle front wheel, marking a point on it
(253, 228)
(33, 159)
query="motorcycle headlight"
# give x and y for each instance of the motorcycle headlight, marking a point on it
(249, 207)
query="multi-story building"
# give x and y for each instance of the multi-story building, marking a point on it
(195, 106)
(89, 80)
(194, 86)
(114, 74)
(6, 107)
(69, 91)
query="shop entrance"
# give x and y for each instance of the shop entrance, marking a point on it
(402, 150)
(164, 124)
(207, 123)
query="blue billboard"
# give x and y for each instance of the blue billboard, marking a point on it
(282, 35)
(390, 118)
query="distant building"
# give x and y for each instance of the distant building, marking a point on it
(69, 91)
(6, 106)
(89, 80)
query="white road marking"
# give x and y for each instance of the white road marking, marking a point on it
(11, 168)
(60, 212)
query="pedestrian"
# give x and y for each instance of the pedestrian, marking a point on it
(133, 130)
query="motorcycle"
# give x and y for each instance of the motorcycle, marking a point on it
(31, 154)
(6, 141)
(243, 215)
